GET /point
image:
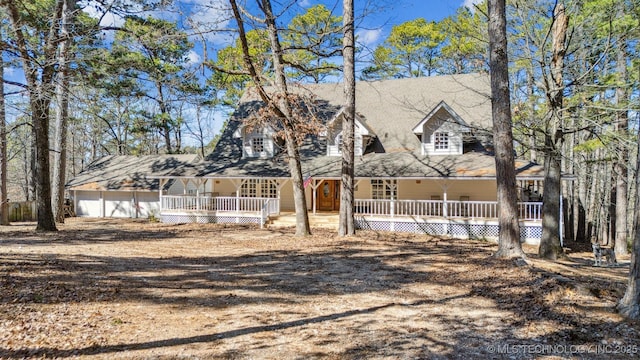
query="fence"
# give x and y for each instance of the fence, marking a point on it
(22, 211)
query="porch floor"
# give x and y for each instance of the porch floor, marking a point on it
(319, 219)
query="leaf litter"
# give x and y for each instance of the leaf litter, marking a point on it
(104, 289)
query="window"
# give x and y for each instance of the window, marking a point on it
(441, 141)
(259, 188)
(269, 189)
(384, 189)
(257, 145)
(339, 142)
(249, 188)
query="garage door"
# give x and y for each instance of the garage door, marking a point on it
(88, 203)
(148, 203)
(118, 204)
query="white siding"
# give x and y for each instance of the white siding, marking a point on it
(442, 122)
(267, 141)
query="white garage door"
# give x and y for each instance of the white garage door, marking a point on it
(148, 203)
(118, 204)
(87, 203)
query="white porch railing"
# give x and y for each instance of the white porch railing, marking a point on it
(439, 208)
(261, 206)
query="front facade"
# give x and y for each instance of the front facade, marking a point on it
(423, 163)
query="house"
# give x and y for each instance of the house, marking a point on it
(123, 186)
(423, 163)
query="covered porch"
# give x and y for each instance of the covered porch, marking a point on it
(380, 204)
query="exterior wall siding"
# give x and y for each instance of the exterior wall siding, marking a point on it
(442, 122)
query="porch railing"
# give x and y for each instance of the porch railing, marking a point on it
(261, 206)
(439, 208)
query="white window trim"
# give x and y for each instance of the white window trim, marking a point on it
(438, 136)
(387, 188)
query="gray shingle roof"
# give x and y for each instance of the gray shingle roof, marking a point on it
(128, 172)
(391, 108)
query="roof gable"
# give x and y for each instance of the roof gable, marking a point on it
(359, 123)
(418, 129)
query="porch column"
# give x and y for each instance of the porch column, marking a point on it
(445, 210)
(198, 182)
(161, 185)
(184, 182)
(238, 186)
(314, 197)
(392, 207)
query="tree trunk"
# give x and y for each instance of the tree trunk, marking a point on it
(62, 114)
(620, 171)
(550, 244)
(347, 226)
(580, 205)
(295, 168)
(629, 305)
(39, 75)
(509, 235)
(4, 198)
(40, 117)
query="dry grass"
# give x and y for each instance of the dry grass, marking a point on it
(122, 289)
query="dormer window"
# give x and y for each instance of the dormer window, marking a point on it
(441, 140)
(257, 145)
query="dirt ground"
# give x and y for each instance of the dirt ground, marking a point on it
(105, 289)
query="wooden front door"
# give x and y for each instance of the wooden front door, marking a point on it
(329, 195)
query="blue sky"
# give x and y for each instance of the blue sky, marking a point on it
(371, 29)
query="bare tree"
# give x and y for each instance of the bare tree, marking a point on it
(280, 105)
(347, 226)
(509, 236)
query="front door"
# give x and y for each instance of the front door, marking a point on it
(329, 195)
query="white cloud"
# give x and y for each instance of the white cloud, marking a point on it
(106, 19)
(304, 3)
(209, 17)
(193, 58)
(369, 37)
(470, 4)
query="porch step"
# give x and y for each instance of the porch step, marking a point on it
(326, 220)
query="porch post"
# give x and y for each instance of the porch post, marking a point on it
(161, 184)
(445, 210)
(314, 197)
(238, 186)
(198, 182)
(392, 207)
(184, 182)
